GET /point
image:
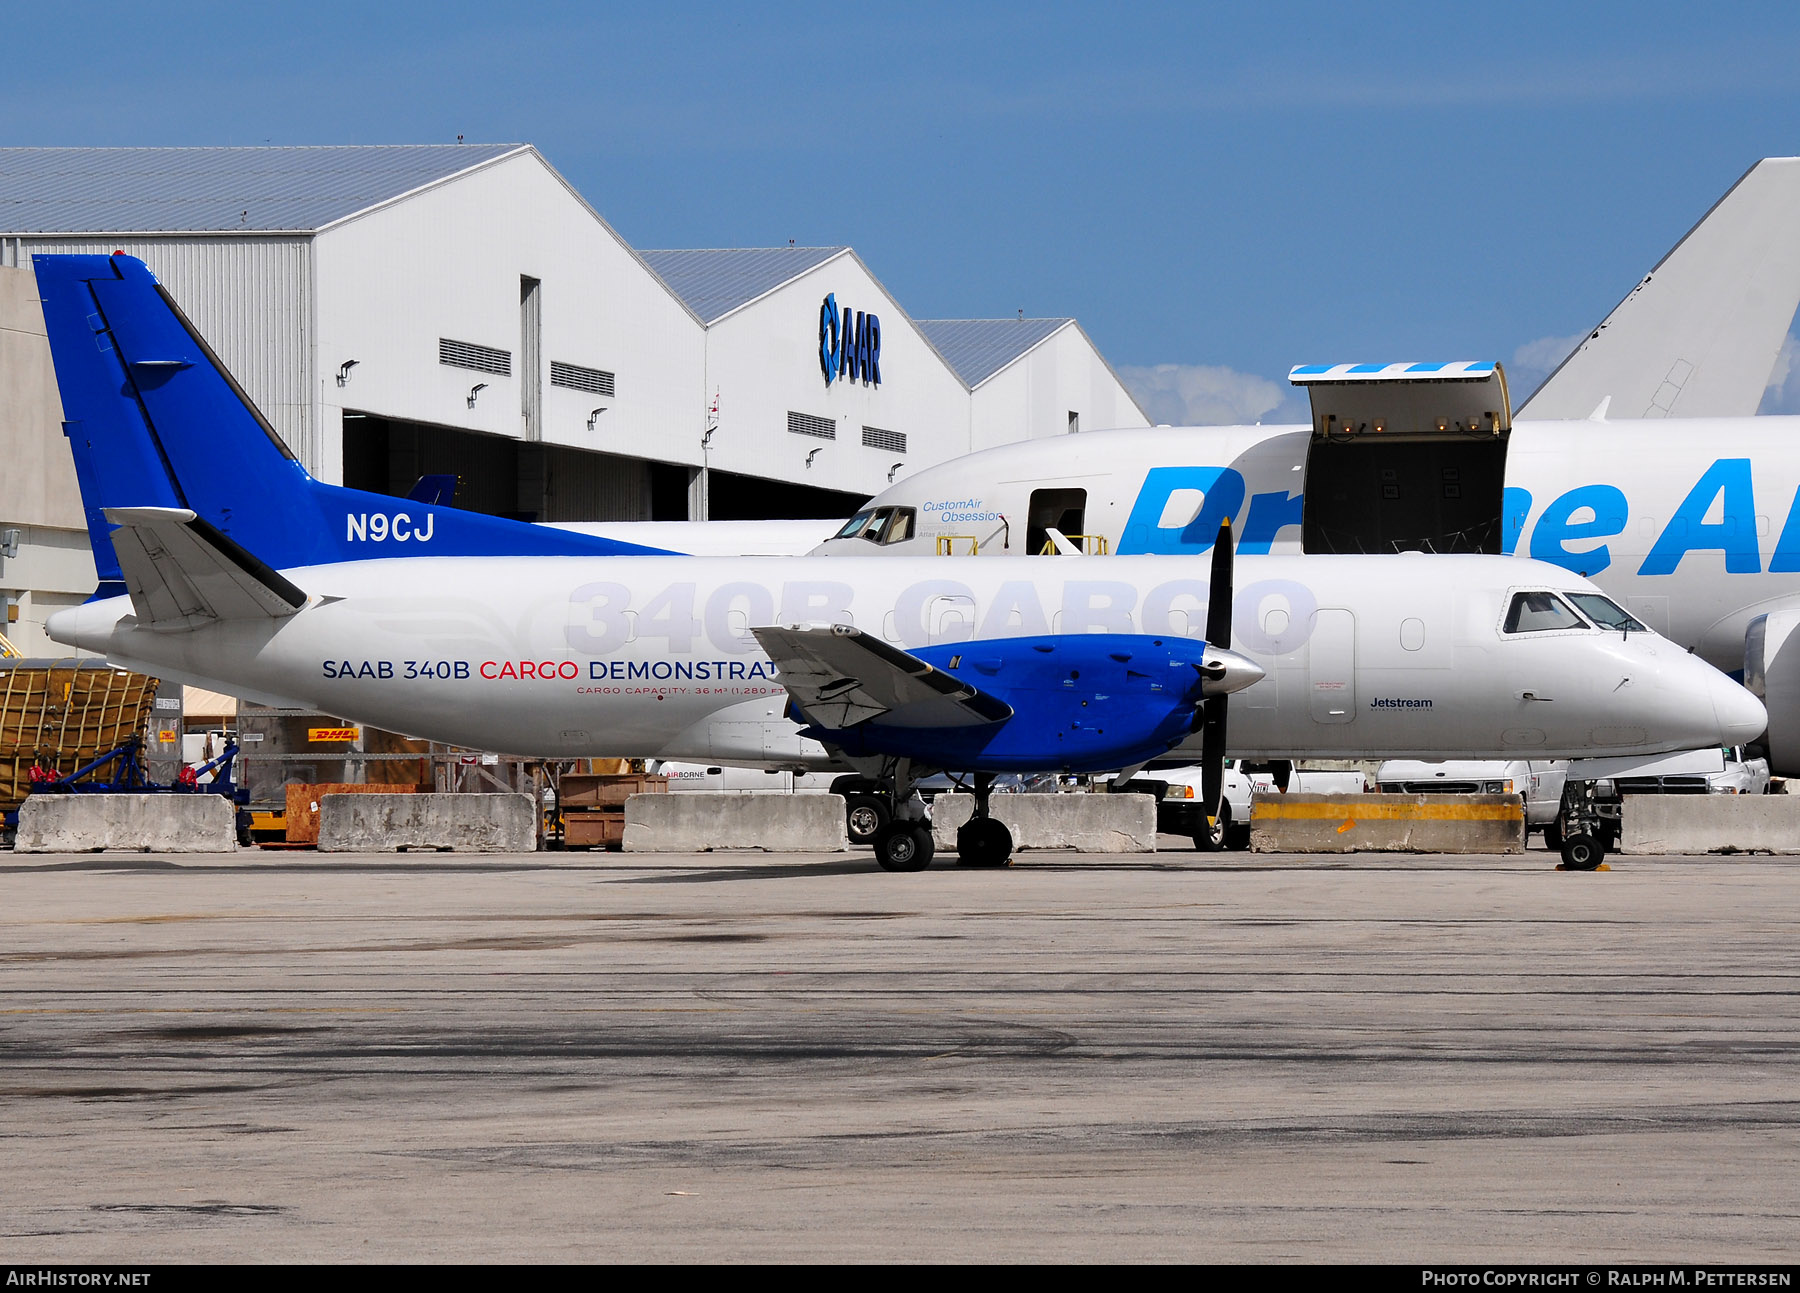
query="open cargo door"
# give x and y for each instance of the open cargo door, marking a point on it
(1404, 457)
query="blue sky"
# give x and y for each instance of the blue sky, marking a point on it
(1219, 192)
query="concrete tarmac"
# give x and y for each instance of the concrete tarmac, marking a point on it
(749, 1057)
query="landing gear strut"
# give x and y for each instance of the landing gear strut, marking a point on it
(983, 840)
(903, 842)
(1581, 833)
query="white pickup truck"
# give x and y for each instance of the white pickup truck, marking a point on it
(1540, 784)
(1180, 809)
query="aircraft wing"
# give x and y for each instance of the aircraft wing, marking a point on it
(179, 569)
(841, 677)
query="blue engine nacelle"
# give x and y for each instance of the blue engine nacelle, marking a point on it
(1080, 702)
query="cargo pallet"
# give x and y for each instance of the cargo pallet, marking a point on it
(591, 808)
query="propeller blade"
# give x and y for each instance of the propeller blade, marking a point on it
(1212, 753)
(1218, 634)
(1218, 609)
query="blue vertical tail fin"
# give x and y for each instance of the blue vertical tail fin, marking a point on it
(154, 419)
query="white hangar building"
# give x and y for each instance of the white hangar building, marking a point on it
(404, 310)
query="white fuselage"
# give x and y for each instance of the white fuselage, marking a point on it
(653, 656)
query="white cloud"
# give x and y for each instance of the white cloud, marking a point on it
(1534, 361)
(1783, 393)
(1211, 395)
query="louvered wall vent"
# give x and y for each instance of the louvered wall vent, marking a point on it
(807, 424)
(576, 378)
(879, 438)
(480, 359)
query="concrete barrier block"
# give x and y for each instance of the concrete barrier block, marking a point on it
(374, 823)
(1656, 824)
(1387, 823)
(126, 823)
(1083, 822)
(698, 821)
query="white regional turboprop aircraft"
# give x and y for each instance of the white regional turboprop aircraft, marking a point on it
(573, 644)
(1012, 664)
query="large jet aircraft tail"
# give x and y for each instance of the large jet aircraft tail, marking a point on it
(1699, 336)
(155, 420)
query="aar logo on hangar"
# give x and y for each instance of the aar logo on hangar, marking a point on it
(849, 345)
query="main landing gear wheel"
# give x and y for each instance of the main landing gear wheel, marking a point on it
(903, 846)
(1582, 853)
(864, 816)
(983, 841)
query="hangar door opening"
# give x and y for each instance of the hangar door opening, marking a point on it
(1405, 461)
(506, 477)
(754, 498)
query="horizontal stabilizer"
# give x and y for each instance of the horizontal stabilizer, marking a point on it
(179, 569)
(840, 677)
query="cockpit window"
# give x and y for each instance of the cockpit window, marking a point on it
(1605, 612)
(854, 524)
(1540, 613)
(891, 525)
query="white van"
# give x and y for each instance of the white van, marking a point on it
(749, 781)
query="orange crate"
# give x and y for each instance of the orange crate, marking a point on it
(579, 790)
(303, 805)
(589, 830)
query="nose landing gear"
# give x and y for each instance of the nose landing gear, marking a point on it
(1582, 829)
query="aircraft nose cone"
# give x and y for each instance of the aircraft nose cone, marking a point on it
(1226, 671)
(1741, 715)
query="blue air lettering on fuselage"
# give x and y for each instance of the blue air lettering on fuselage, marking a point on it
(1178, 510)
(1204, 496)
(1589, 514)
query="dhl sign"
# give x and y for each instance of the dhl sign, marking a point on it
(332, 733)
